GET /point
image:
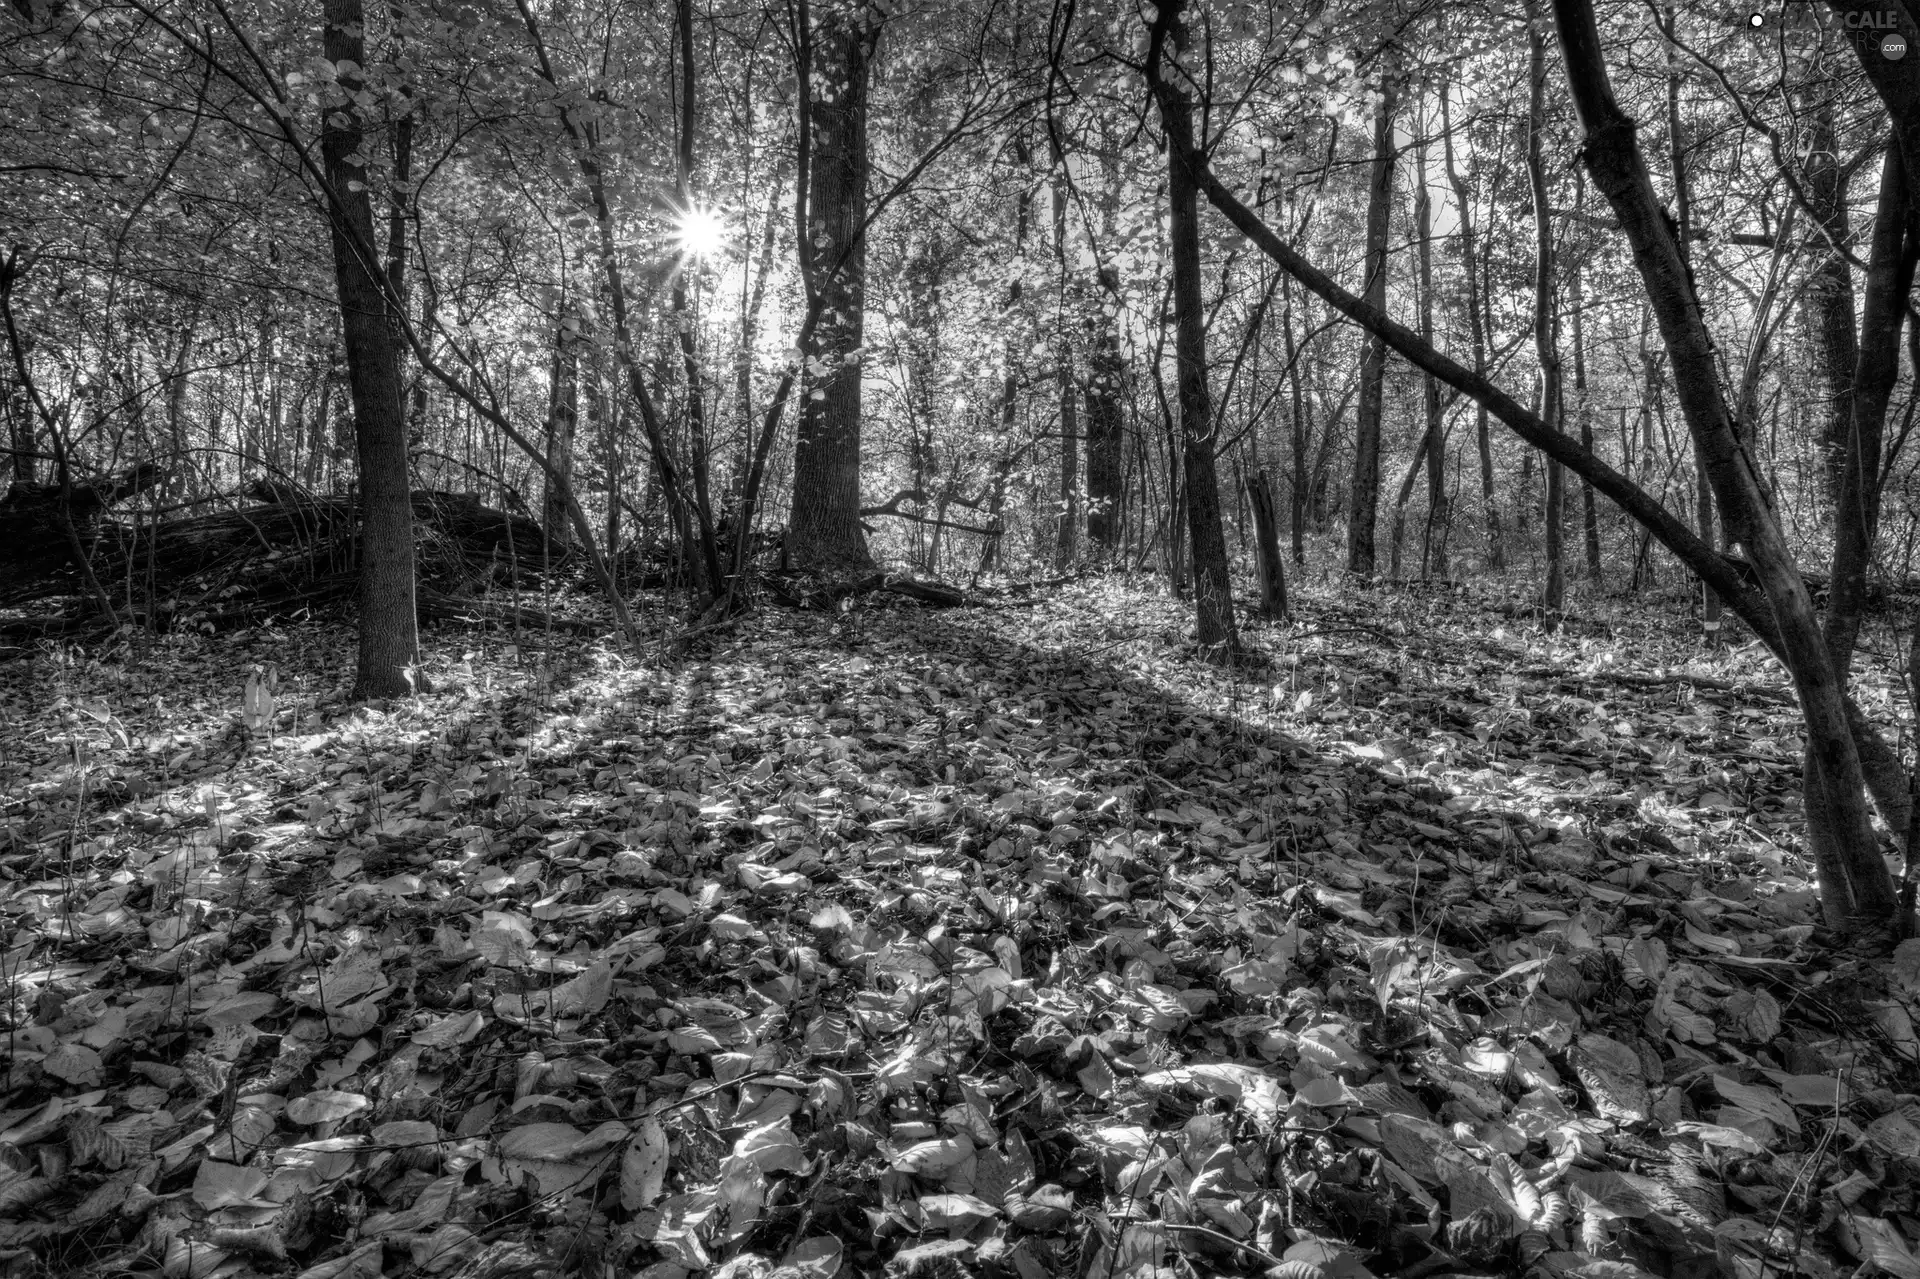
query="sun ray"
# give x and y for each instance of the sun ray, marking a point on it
(700, 232)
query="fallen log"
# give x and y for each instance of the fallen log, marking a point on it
(281, 552)
(33, 534)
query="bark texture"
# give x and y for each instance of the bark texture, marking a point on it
(824, 530)
(1364, 493)
(389, 631)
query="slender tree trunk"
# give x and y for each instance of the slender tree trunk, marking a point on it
(24, 453)
(1212, 590)
(1477, 329)
(1433, 540)
(685, 513)
(824, 530)
(1683, 237)
(1105, 436)
(1301, 482)
(753, 297)
(1582, 410)
(1546, 320)
(613, 418)
(179, 383)
(1364, 504)
(1889, 281)
(389, 629)
(1829, 301)
(1401, 497)
(1067, 542)
(698, 449)
(563, 416)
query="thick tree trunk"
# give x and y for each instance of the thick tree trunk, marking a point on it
(1856, 889)
(1212, 590)
(1364, 504)
(1546, 319)
(389, 629)
(824, 530)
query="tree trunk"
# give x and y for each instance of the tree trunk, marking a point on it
(1105, 437)
(1363, 509)
(1683, 240)
(1890, 270)
(563, 416)
(1401, 497)
(1069, 464)
(389, 628)
(1212, 590)
(698, 450)
(1433, 539)
(613, 418)
(1829, 304)
(824, 530)
(1546, 320)
(1266, 545)
(1582, 410)
(1476, 324)
(1299, 484)
(1067, 542)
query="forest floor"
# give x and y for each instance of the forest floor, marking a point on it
(1008, 941)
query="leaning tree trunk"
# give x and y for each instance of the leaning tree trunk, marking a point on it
(1855, 887)
(1212, 590)
(824, 530)
(389, 629)
(1364, 505)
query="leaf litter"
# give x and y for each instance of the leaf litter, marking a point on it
(1009, 943)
